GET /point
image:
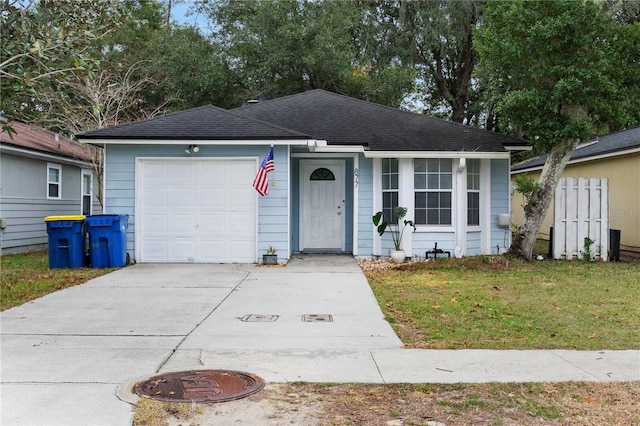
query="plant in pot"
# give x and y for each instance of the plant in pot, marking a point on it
(271, 258)
(382, 222)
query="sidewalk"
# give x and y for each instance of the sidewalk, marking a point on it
(65, 356)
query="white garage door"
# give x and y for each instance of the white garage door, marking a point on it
(201, 211)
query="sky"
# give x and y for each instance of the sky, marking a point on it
(179, 14)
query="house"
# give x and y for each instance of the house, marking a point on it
(185, 180)
(41, 174)
(615, 156)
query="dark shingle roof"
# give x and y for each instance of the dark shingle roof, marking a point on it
(609, 144)
(37, 139)
(341, 120)
(202, 123)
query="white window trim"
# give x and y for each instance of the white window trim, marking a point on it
(86, 172)
(458, 204)
(59, 183)
(480, 190)
(485, 206)
(454, 208)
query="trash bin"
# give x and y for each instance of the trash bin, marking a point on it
(66, 241)
(614, 245)
(107, 240)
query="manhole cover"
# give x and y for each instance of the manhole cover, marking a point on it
(259, 318)
(317, 318)
(199, 386)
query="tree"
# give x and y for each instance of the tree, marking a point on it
(47, 41)
(102, 98)
(436, 38)
(289, 46)
(554, 74)
(192, 70)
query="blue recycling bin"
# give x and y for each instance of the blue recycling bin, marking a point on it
(66, 241)
(107, 240)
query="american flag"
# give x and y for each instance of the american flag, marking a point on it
(260, 183)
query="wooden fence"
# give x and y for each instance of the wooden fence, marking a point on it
(581, 219)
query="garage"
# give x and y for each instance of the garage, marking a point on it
(196, 210)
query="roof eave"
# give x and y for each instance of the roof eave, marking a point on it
(582, 159)
(45, 156)
(213, 142)
(437, 154)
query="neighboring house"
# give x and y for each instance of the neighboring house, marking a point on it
(615, 157)
(338, 160)
(41, 174)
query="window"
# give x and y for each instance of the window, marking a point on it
(87, 191)
(54, 180)
(390, 188)
(473, 192)
(433, 183)
(322, 174)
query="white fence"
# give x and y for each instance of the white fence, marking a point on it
(581, 219)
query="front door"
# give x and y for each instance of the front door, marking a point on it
(322, 197)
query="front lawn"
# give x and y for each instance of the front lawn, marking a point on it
(496, 303)
(24, 277)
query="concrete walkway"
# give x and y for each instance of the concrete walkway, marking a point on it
(70, 358)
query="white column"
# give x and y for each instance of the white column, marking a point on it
(459, 201)
(377, 203)
(406, 199)
(485, 206)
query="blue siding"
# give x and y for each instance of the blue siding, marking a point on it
(25, 204)
(474, 245)
(272, 210)
(348, 226)
(424, 241)
(365, 206)
(500, 203)
(295, 204)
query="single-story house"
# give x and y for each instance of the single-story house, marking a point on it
(42, 174)
(616, 157)
(185, 180)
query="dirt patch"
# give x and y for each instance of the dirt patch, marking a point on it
(433, 405)
(274, 405)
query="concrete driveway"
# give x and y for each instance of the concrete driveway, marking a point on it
(70, 358)
(65, 355)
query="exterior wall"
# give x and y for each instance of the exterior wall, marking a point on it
(273, 210)
(426, 241)
(623, 173)
(458, 238)
(474, 244)
(365, 206)
(500, 203)
(24, 201)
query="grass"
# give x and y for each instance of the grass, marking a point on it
(156, 413)
(495, 303)
(25, 277)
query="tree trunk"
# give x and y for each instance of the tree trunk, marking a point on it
(536, 209)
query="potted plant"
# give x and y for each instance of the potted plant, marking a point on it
(382, 222)
(271, 258)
